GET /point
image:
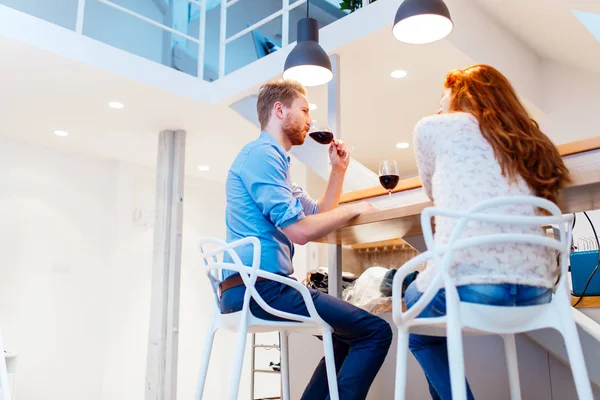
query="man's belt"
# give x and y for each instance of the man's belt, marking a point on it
(234, 281)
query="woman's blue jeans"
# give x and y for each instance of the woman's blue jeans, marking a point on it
(431, 351)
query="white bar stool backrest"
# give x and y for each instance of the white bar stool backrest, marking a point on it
(485, 319)
(243, 322)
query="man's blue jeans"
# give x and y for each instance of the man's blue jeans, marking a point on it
(431, 351)
(360, 339)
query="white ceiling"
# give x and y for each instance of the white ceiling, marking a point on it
(378, 111)
(46, 92)
(42, 92)
(550, 28)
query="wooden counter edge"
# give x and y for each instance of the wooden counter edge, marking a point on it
(566, 149)
(382, 244)
(580, 146)
(405, 184)
(586, 302)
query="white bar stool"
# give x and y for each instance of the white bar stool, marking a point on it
(243, 322)
(484, 319)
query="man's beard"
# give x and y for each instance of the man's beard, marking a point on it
(295, 132)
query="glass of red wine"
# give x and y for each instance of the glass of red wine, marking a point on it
(324, 136)
(388, 176)
(320, 135)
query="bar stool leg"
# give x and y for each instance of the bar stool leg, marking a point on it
(285, 365)
(510, 349)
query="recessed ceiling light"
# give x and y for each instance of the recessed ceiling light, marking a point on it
(312, 106)
(402, 145)
(116, 105)
(399, 73)
(203, 167)
(61, 133)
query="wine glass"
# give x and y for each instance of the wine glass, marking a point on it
(320, 135)
(388, 176)
(324, 136)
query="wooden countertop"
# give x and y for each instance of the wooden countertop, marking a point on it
(380, 225)
(566, 149)
(582, 194)
(586, 302)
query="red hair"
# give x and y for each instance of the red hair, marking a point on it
(519, 145)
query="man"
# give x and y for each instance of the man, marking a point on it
(262, 202)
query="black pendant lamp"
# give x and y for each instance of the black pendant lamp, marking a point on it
(422, 21)
(308, 63)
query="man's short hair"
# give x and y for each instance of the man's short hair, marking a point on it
(282, 90)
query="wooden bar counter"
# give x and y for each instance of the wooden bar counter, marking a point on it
(582, 194)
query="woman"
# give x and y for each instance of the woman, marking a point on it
(481, 145)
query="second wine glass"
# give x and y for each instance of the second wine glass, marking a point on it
(388, 176)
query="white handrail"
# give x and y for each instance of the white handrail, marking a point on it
(285, 24)
(254, 26)
(201, 36)
(232, 2)
(224, 40)
(201, 41)
(148, 20)
(264, 21)
(80, 13)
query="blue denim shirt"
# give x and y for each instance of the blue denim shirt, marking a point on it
(261, 201)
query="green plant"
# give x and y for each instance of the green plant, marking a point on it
(352, 5)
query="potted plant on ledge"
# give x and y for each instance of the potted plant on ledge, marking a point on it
(352, 5)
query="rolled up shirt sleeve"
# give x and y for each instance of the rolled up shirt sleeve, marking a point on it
(264, 175)
(310, 205)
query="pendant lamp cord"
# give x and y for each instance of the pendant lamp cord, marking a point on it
(307, 7)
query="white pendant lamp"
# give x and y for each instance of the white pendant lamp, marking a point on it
(422, 21)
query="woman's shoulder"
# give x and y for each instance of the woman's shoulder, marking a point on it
(449, 120)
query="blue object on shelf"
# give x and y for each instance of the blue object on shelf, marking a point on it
(582, 266)
(263, 45)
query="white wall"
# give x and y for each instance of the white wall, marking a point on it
(56, 224)
(584, 162)
(583, 228)
(500, 47)
(128, 307)
(572, 102)
(75, 275)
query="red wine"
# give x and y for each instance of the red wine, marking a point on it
(389, 182)
(323, 137)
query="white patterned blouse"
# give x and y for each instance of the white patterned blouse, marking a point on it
(458, 169)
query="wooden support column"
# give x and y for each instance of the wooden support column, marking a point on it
(161, 364)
